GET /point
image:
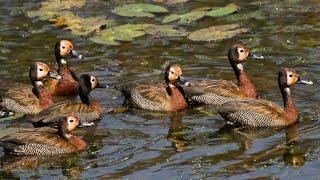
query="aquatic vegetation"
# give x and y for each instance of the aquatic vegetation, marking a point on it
(53, 8)
(80, 26)
(129, 32)
(169, 1)
(138, 10)
(219, 12)
(199, 13)
(215, 33)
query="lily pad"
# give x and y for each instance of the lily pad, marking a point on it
(170, 1)
(166, 31)
(199, 13)
(215, 33)
(129, 32)
(81, 26)
(52, 8)
(258, 15)
(125, 32)
(185, 18)
(56, 11)
(139, 10)
(219, 12)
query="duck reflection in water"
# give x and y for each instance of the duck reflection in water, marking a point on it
(177, 133)
(11, 162)
(291, 151)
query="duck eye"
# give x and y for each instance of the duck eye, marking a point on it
(92, 80)
(290, 75)
(63, 47)
(241, 50)
(171, 72)
(40, 69)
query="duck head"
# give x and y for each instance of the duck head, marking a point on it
(289, 77)
(66, 124)
(64, 49)
(39, 71)
(239, 53)
(173, 76)
(86, 84)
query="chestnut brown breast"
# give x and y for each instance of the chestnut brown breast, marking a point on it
(178, 101)
(67, 85)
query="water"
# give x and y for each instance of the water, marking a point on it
(191, 144)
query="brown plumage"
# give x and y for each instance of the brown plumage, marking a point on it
(68, 84)
(216, 92)
(159, 97)
(28, 100)
(89, 110)
(262, 112)
(45, 141)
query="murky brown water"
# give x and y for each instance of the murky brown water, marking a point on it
(190, 144)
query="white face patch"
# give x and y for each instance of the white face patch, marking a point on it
(171, 85)
(287, 90)
(38, 83)
(62, 61)
(240, 66)
(93, 82)
(41, 72)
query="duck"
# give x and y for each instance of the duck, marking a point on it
(264, 113)
(159, 97)
(45, 140)
(87, 110)
(30, 100)
(67, 86)
(217, 92)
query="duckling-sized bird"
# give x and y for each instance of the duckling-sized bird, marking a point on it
(27, 100)
(68, 84)
(159, 97)
(45, 140)
(217, 92)
(262, 112)
(87, 111)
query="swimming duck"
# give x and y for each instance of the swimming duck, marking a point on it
(68, 84)
(159, 97)
(88, 110)
(216, 92)
(262, 112)
(45, 140)
(28, 100)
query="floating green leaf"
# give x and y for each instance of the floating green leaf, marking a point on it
(170, 1)
(258, 15)
(125, 32)
(56, 11)
(199, 13)
(191, 17)
(166, 31)
(81, 26)
(52, 8)
(185, 18)
(215, 33)
(139, 10)
(171, 18)
(219, 12)
(128, 32)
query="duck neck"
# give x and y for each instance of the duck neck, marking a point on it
(247, 89)
(62, 63)
(178, 100)
(44, 96)
(85, 97)
(62, 132)
(290, 110)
